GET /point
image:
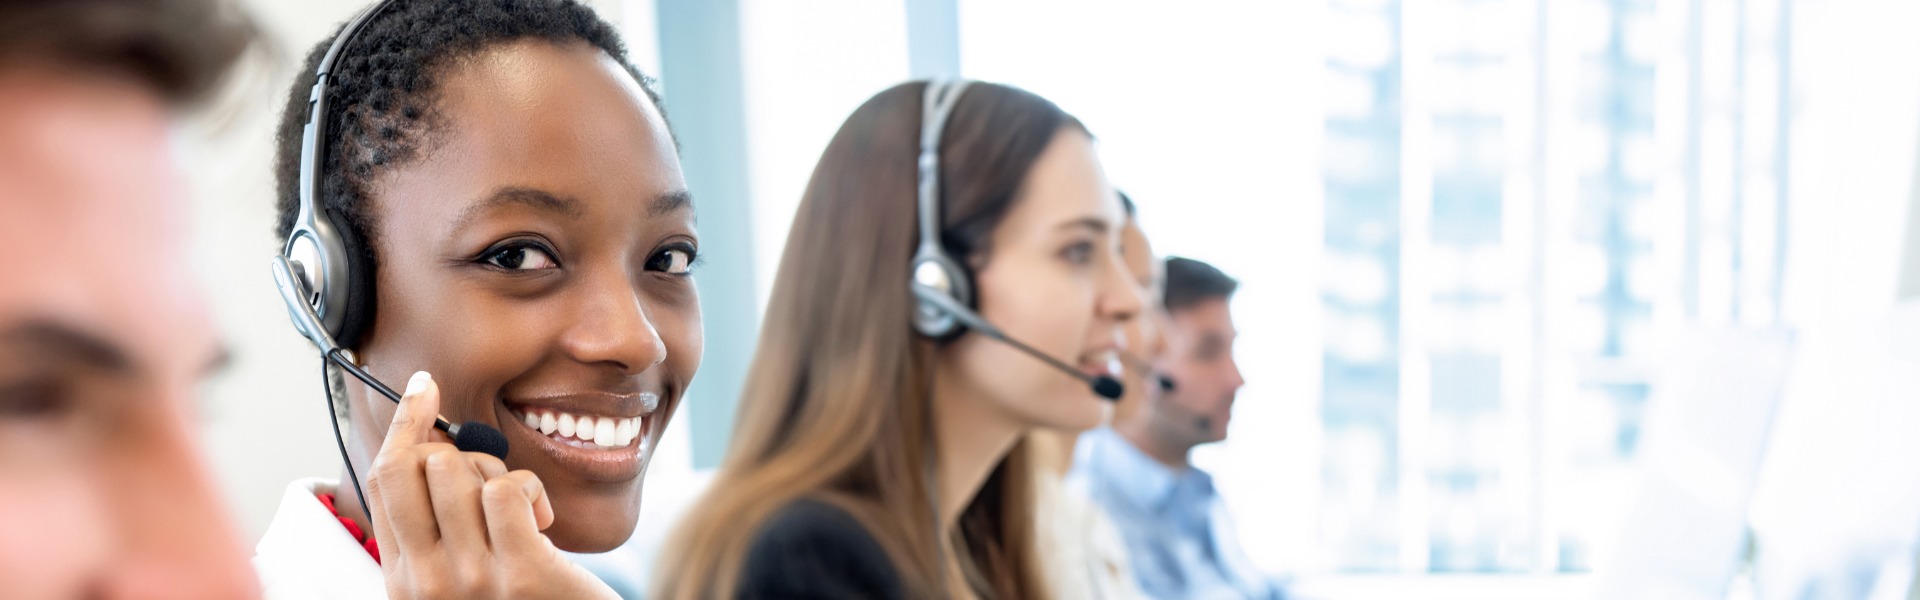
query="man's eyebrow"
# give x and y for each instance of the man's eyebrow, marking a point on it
(520, 196)
(60, 342)
(669, 202)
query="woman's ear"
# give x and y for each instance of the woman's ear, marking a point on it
(976, 261)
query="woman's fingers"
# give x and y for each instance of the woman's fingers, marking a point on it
(542, 505)
(446, 519)
(489, 466)
(517, 509)
(413, 421)
(397, 489)
(454, 482)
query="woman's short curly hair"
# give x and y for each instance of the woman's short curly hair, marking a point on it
(382, 91)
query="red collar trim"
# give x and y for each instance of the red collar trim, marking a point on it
(366, 541)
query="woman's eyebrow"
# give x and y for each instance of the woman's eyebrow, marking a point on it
(669, 202)
(1091, 223)
(521, 196)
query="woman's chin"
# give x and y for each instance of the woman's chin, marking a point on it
(1079, 415)
(594, 543)
(593, 529)
(1087, 421)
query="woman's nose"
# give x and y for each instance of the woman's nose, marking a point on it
(612, 326)
(1121, 297)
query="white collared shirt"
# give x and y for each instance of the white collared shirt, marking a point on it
(307, 555)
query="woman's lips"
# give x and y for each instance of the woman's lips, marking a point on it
(584, 439)
(1104, 364)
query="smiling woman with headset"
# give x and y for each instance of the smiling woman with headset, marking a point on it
(877, 452)
(485, 190)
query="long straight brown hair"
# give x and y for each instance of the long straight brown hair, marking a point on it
(836, 407)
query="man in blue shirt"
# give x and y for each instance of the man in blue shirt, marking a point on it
(1180, 541)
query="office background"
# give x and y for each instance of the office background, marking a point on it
(1470, 232)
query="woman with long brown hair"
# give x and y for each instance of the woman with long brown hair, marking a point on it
(879, 450)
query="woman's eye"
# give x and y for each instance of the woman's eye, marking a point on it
(673, 261)
(521, 258)
(1079, 253)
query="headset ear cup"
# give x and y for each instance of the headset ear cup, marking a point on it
(360, 288)
(937, 272)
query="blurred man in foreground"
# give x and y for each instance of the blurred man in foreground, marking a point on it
(103, 338)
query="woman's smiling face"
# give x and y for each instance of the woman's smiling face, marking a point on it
(534, 257)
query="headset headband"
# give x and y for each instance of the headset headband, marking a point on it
(934, 271)
(941, 96)
(316, 250)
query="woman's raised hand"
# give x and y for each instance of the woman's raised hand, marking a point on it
(454, 524)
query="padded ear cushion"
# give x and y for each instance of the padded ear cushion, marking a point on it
(360, 288)
(945, 328)
(966, 294)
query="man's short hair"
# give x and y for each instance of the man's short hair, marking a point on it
(1190, 282)
(181, 49)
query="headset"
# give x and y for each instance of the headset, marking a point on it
(942, 286)
(327, 287)
(337, 282)
(934, 272)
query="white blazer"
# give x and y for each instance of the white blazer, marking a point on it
(307, 555)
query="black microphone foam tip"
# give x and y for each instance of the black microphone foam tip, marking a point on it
(481, 437)
(1108, 387)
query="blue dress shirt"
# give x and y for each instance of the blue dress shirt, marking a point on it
(1180, 540)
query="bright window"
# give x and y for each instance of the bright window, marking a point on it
(1462, 228)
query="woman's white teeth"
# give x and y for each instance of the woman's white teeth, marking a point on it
(606, 432)
(603, 432)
